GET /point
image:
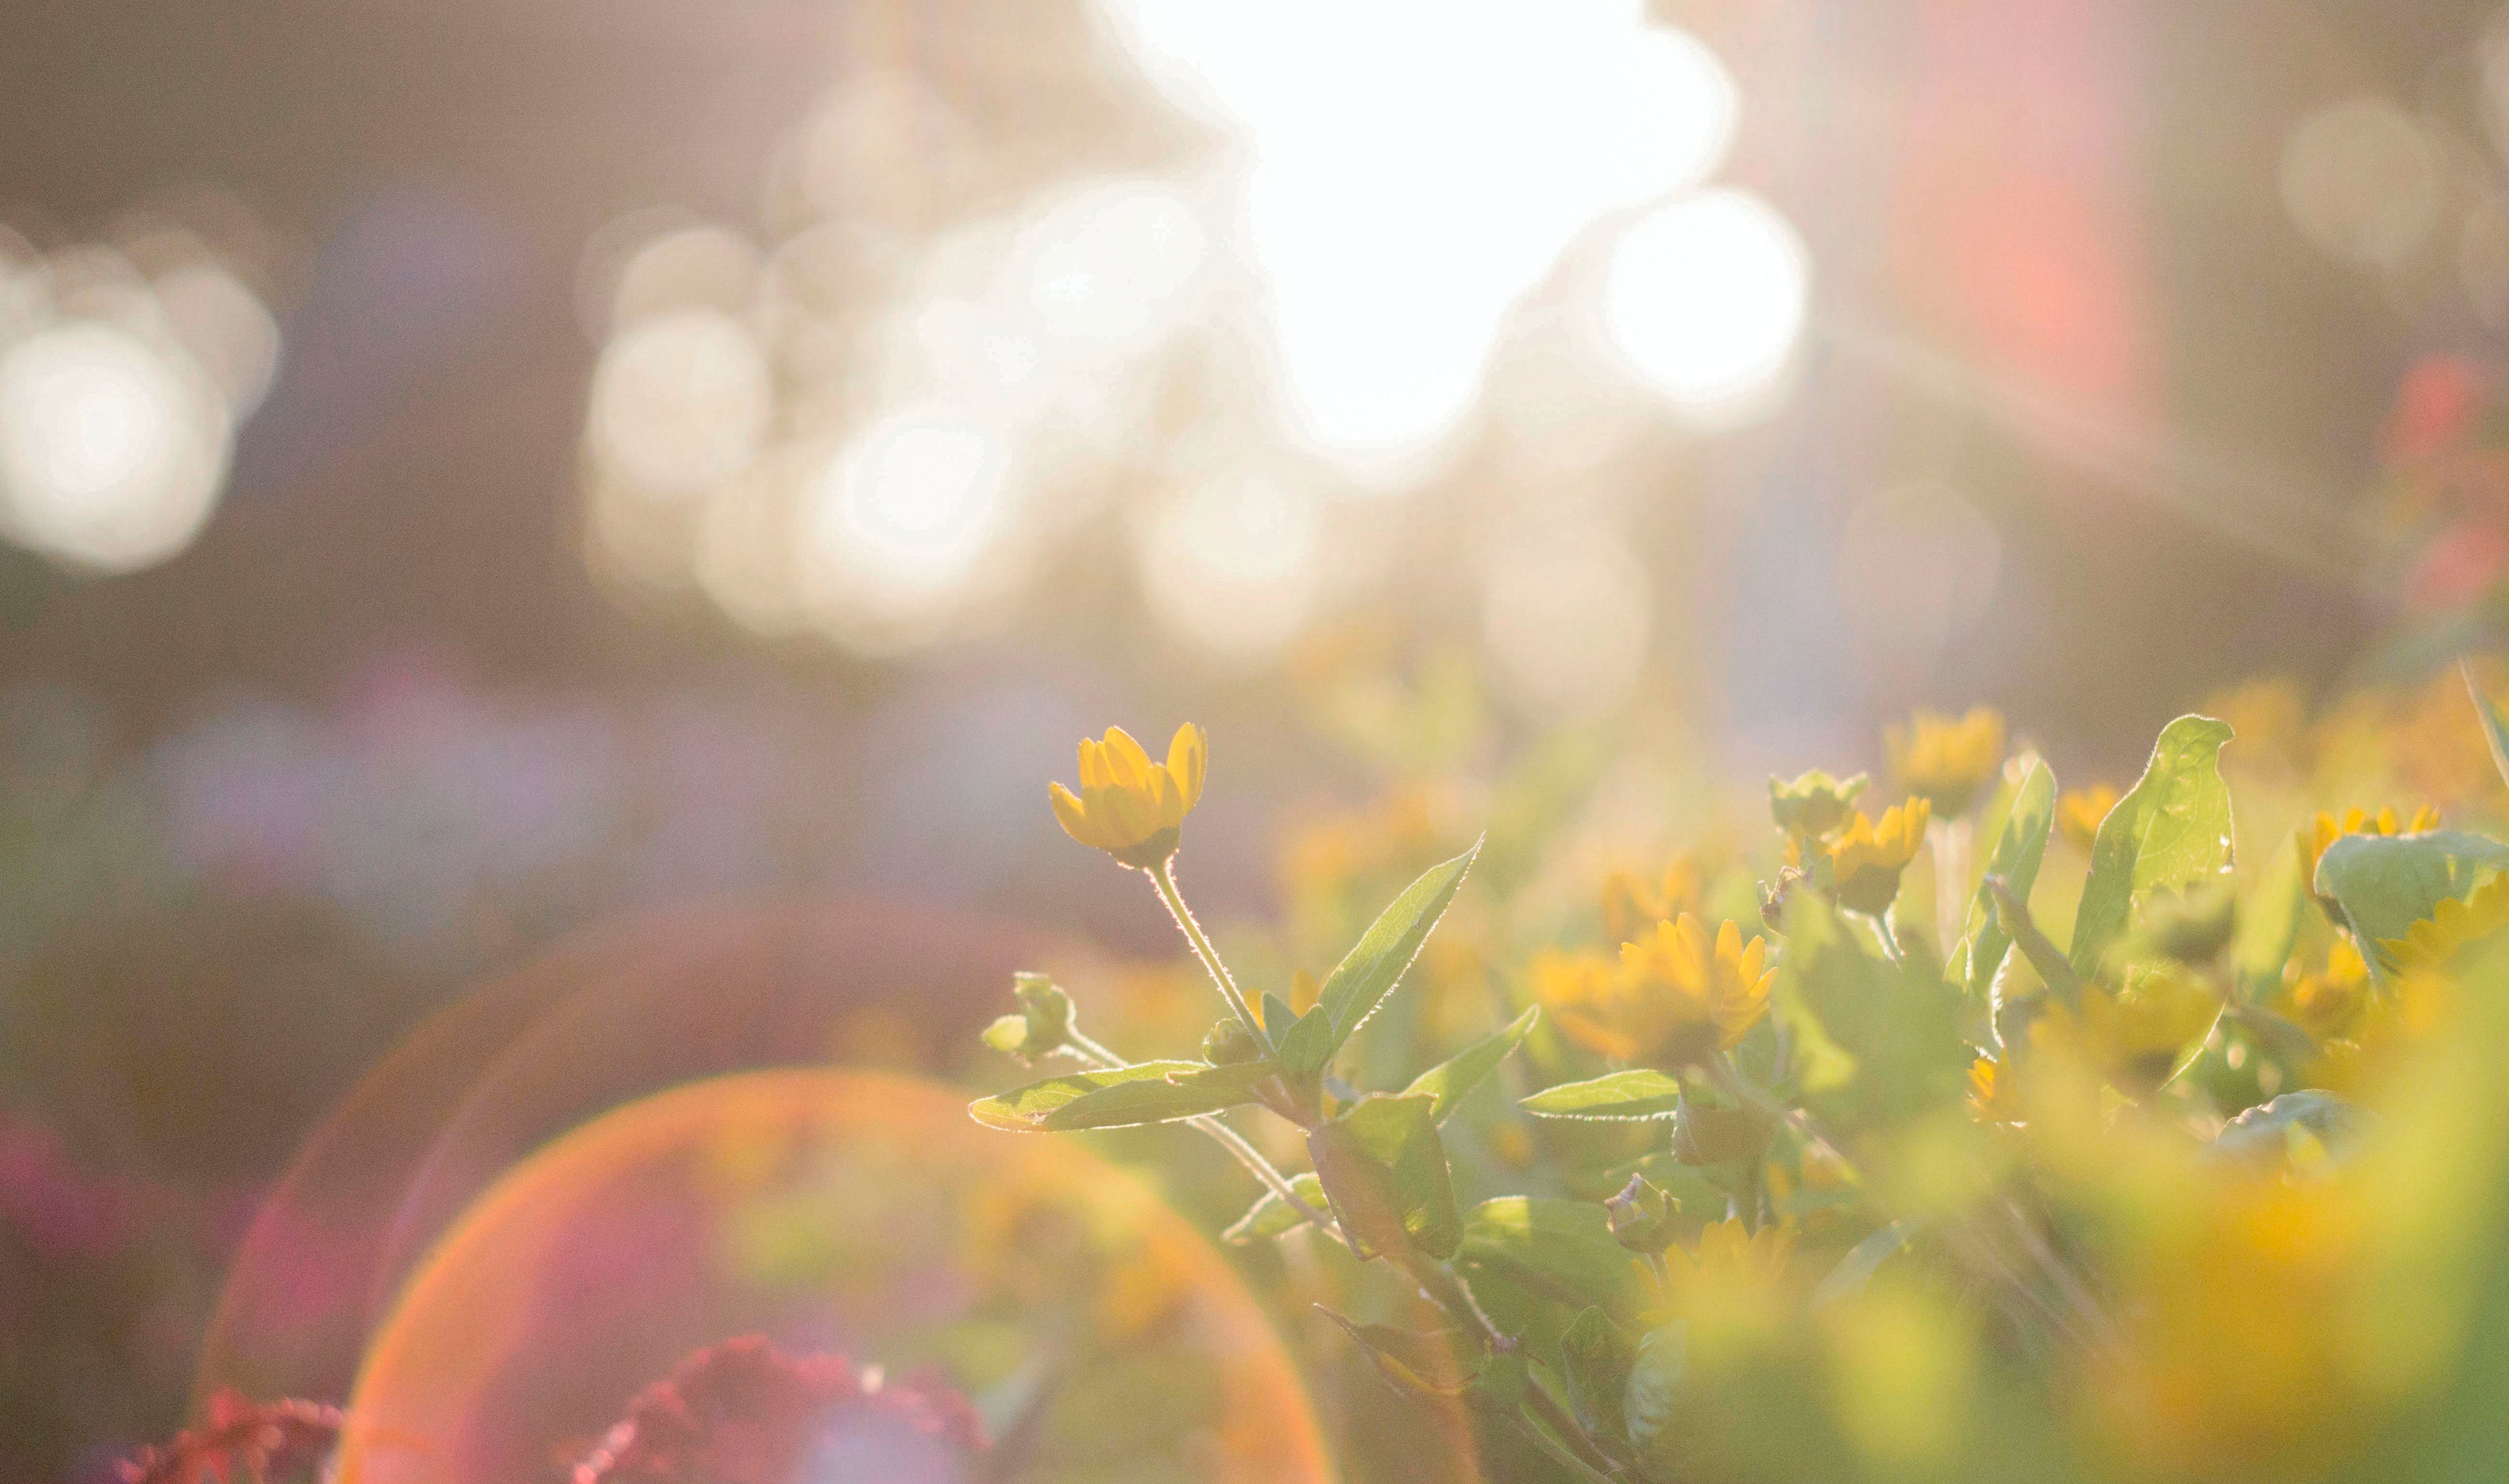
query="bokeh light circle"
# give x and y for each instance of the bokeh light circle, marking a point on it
(112, 447)
(1704, 300)
(829, 1211)
(681, 401)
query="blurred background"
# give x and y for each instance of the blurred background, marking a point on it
(470, 473)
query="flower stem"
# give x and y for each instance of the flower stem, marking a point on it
(1163, 879)
(1890, 940)
(1951, 841)
(1228, 1138)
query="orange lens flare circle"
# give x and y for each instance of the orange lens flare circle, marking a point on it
(829, 1210)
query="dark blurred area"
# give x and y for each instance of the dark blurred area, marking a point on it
(2062, 340)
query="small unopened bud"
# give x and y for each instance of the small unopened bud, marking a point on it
(1228, 1042)
(1641, 1217)
(1774, 895)
(1043, 1024)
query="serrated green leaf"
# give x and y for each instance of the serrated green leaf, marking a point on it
(1020, 1108)
(1595, 1359)
(1365, 974)
(1151, 1092)
(1559, 1251)
(1384, 1169)
(1638, 1093)
(2017, 853)
(1449, 1080)
(2386, 883)
(1271, 1216)
(2171, 830)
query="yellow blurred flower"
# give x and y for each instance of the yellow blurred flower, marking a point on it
(2433, 941)
(1632, 903)
(1990, 1096)
(2329, 1005)
(1731, 1282)
(2133, 1037)
(1948, 761)
(2326, 829)
(1868, 857)
(2079, 812)
(1130, 808)
(1675, 998)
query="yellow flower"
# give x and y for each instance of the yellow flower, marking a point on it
(1992, 1099)
(2326, 829)
(1947, 762)
(1129, 806)
(1733, 1281)
(1866, 858)
(2132, 1037)
(1632, 903)
(1692, 996)
(1675, 998)
(2433, 941)
(2079, 811)
(2330, 1005)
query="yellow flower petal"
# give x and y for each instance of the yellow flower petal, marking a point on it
(1188, 756)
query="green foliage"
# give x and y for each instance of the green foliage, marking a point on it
(2386, 883)
(1538, 1250)
(1148, 1093)
(1271, 1216)
(1639, 1093)
(2018, 851)
(1385, 1172)
(1433, 1363)
(1363, 978)
(1447, 1083)
(2171, 830)
(1595, 1359)
(1897, 1028)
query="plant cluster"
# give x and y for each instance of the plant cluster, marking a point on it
(1977, 1129)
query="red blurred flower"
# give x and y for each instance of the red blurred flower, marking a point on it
(744, 1412)
(2436, 408)
(241, 1440)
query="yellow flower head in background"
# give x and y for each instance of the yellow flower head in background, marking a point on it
(1990, 1096)
(1945, 761)
(2326, 829)
(1632, 903)
(2132, 1037)
(2079, 812)
(2330, 1005)
(1868, 857)
(1130, 808)
(1583, 994)
(1733, 1282)
(2430, 944)
(1692, 996)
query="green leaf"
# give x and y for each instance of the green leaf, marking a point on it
(1151, 1092)
(1638, 1093)
(2386, 883)
(1363, 978)
(2267, 1132)
(1019, 1110)
(2018, 851)
(1710, 1135)
(2171, 830)
(1308, 1043)
(2270, 925)
(1449, 1080)
(1651, 1401)
(1277, 1015)
(1436, 1364)
(1899, 1028)
(1385, 1172)
(2496, 731)
(1562, 1251)
(1271, 1216)
(1595, 1359)
(1862, 1261)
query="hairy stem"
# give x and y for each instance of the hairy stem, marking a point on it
(1163, 880)
(1227, 1139)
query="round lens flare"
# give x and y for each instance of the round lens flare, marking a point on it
(1091, 1327)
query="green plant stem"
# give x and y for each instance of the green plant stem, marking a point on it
(1951, 881)
(1579, 1450)
(1163, 880)
(1228, 1138)
(1890, 940)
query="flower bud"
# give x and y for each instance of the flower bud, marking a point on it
(1041, 1028)
(1228, 1042)
(1641, 1217)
